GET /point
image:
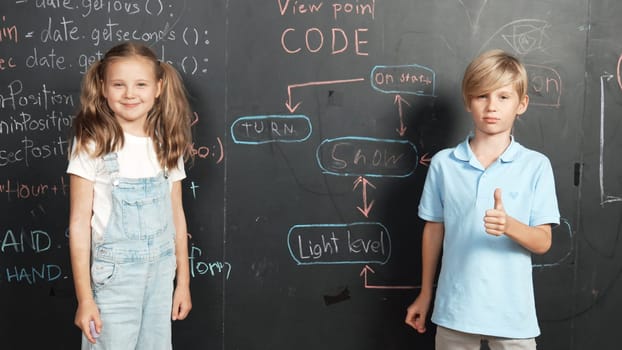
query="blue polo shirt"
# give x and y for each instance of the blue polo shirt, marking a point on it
(485, 284)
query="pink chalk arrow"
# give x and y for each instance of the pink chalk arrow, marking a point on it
(399, 100)
(366, 207)
(366, 270)
(292, 107)
(425, 159)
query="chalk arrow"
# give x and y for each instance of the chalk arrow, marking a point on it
(366, 207)
(292, 107)
(604, 199)
(425, 160)
(195, 120)
(399, 100)
(366, 270)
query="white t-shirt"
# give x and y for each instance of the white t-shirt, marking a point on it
(137, 159)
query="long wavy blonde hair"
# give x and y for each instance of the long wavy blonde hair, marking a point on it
(168, 122)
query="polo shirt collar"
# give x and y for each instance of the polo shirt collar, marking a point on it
(463, 151)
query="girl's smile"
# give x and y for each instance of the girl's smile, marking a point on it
(131, 88)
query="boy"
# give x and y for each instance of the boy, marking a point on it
(488, 204)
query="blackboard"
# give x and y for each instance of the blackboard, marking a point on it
(314, 125)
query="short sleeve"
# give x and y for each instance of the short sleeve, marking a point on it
(544, 209)
(431, 203)
(82, 164)
(179, 172)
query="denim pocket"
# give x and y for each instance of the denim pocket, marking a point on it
(102, 273)
(144, 218)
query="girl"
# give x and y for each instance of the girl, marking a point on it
(127, 230)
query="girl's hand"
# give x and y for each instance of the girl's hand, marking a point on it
(182, 303)
(86, 312)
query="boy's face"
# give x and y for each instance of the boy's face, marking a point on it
(494, 112)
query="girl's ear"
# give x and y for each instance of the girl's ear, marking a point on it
(159, 88)
(103, 88)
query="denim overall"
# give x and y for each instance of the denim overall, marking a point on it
(133, 265)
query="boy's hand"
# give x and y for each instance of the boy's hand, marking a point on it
(417, 313)
(496, 219)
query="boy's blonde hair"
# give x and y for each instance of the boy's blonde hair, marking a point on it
(492, 70)
(168, 122)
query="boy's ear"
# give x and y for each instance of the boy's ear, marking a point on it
(522, 106)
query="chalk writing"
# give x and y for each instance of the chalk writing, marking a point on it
(25, 123)
(399, 101)
(206, 268)
(363, 156)
(367, 270)
(36, 241)
(62, 31)
(8, 32)
(558, 256)
(360, 8)
(50, 60)
(189, 64)
(29, 150)
(86, 60)
(192, 36)
(337, 8)
(297, 7)
(292, 107)
(20, 190)
(113, 32)
(271, 128)
(54, 4)
(355, 243)
(545, 85)
(524, 35)
(473, 12)
(122, 7)
(366, 205)
(7, 62)
(32, 274)
(604, 197)
(193, 187)
(404, 79)
(425, 159)
(16, 97)
(314, 40)
(215, 152)
(91, 7)
(334, 40)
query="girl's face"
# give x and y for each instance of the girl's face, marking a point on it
(130, 87)
(494, 112)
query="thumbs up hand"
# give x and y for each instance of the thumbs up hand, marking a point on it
(495, 219)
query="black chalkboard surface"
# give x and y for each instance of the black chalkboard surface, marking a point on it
(315, 122)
